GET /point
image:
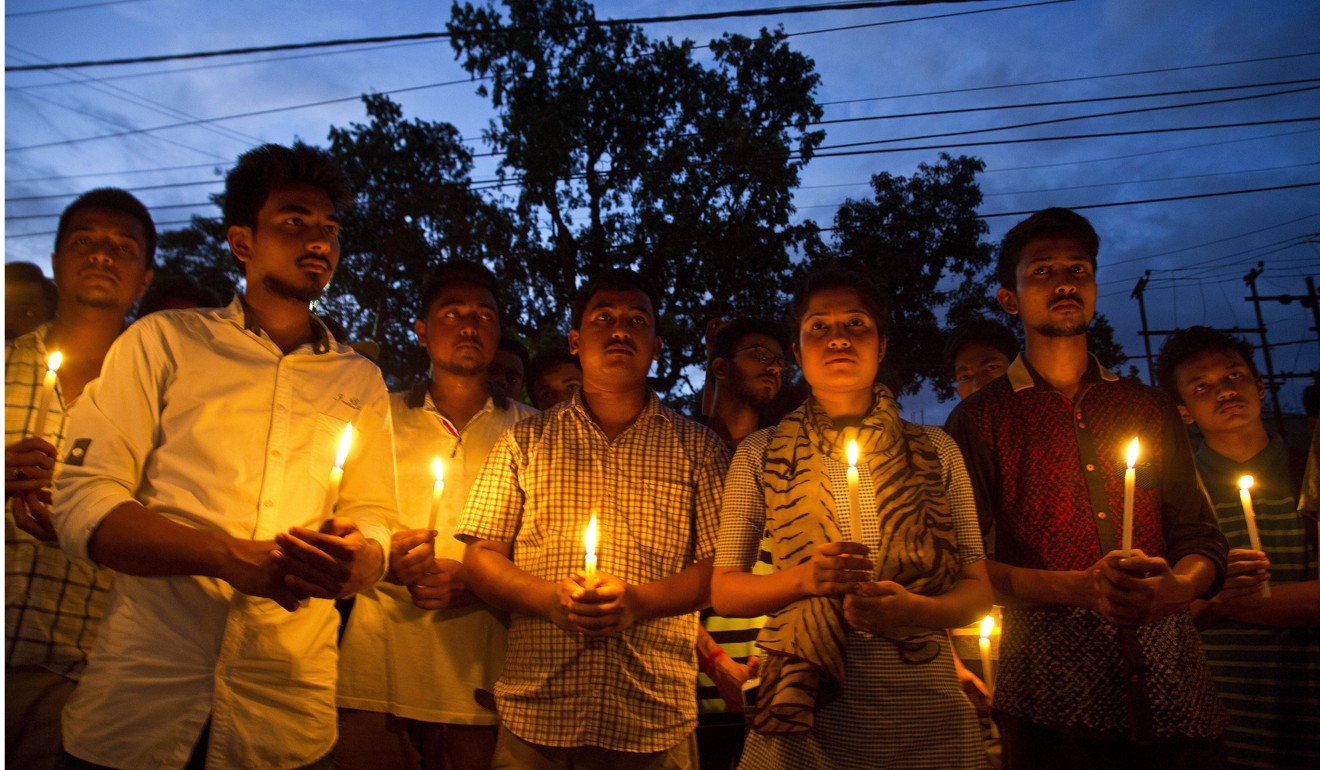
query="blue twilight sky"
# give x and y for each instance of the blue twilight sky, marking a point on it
(1198, 249)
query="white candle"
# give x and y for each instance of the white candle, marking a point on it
(854, 491)
(337, 472)
(987, 667)
(1249, 512)
(47, 393)
(438, 468)
(590, 538)
(1129, 493)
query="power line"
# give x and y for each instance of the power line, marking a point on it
(9, 218)
(1167, 199)
(709, 16)
(48, 233)
(1072, 79)
(56, 196)
(1066, 137)
(124, 172)
(1061, 102)
(1149, 180)
(62, 9)
(1071, 118)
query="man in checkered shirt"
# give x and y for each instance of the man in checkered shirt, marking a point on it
(599, 669)
(104, 248)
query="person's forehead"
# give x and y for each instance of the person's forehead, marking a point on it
(510, 359)
(100, 218)
(757, 339)
(299, 196)
(976, 353)
(835, 299)
(1053, 248)
(1207, 362)
(561, 371)
(464, 293)
(631, 299)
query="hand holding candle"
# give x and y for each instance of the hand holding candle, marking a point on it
(987, 666)
(1129, 493)
(437, 467)
(47, 393)
(854, 491)
(1249, 513)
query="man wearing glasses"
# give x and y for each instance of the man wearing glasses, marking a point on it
(747, 365)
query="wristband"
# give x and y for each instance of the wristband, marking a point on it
(714, 658)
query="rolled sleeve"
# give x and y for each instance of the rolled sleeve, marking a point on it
(494, 506)
(111, 432)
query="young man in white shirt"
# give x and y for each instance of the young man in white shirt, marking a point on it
(200, 469)
(418, 649)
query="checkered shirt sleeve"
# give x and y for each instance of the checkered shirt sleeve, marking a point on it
(52, 605)
(655, 491)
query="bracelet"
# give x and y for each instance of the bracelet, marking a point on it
(713, 659)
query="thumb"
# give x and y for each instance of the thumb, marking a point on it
(752, 664)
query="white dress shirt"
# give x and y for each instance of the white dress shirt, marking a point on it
(201, 418)
(426, 664)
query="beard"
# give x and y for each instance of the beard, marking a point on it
(748, 391)
(1062, 330)
(460, 370)
(307, 293)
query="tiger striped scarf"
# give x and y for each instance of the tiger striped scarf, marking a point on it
(802, 667)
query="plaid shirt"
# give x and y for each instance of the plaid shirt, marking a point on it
(52, 605)
(655, 489)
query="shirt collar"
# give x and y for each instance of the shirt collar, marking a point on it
(1022, 375)
(650, 409)
(1273, 456)
(322, 339)
(419, 395)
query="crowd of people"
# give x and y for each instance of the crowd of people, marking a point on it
(228, 545)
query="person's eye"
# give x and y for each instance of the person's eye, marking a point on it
(994, 367)
(1234, 376)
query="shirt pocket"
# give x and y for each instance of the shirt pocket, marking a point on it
(658, 514)
(326, 436)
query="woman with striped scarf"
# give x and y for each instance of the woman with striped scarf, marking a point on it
(856, 670)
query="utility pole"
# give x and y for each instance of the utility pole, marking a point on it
(1139, 294)
(1271, 381)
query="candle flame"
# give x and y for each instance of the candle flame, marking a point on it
(987, 626)
(345, 441)
(590, 536)
(438, 467)
(1246, 482)
(1133, 451)
(852, 452)
(54, 360)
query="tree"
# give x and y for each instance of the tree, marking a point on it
(920, 236)
(630, 152)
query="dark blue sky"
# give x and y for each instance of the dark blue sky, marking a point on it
(1197, 249)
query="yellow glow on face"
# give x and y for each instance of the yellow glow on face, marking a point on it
(853, 452)
(54, 360)
(345, 441)
(987, 626)
(1133, 452)
(590, 536)
(1246, 482)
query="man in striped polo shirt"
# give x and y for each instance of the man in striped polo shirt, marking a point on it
(1264, 652)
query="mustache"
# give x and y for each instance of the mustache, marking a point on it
(101, 269)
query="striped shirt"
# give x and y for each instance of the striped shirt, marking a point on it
(1268, 677)
(655, 490)
(52, 605)
(891, 713)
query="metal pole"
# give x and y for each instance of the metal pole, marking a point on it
(1139, 293)
(1314, 302)
(1271, 382)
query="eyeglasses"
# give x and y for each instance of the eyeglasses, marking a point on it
(763, 356)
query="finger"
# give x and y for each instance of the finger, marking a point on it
(337, 526)
(32, 520)
(309, 574)
(840, 547)
(404, 542)
(335, 546)
(307, 588)
(312, 554)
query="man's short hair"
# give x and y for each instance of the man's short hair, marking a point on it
(30, 273)
(271, 166)
(843, 274)
(980, 331)
(513, 345)
(618, 279)
(1047, 223)
(455, 271)
(728, 337)
(114, 199)
(166, 288)
(546, 360)
(1188, 343)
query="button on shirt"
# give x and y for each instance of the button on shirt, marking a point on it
(425, 664)
(52, 604)
(655, 489)
(201, 418)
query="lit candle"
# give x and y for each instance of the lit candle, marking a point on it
(47, 393)
(854, 491)
(590, 538)
(437, 467)
(1249, 512)
(337, 472)
(987, 667)
(1129, 493)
